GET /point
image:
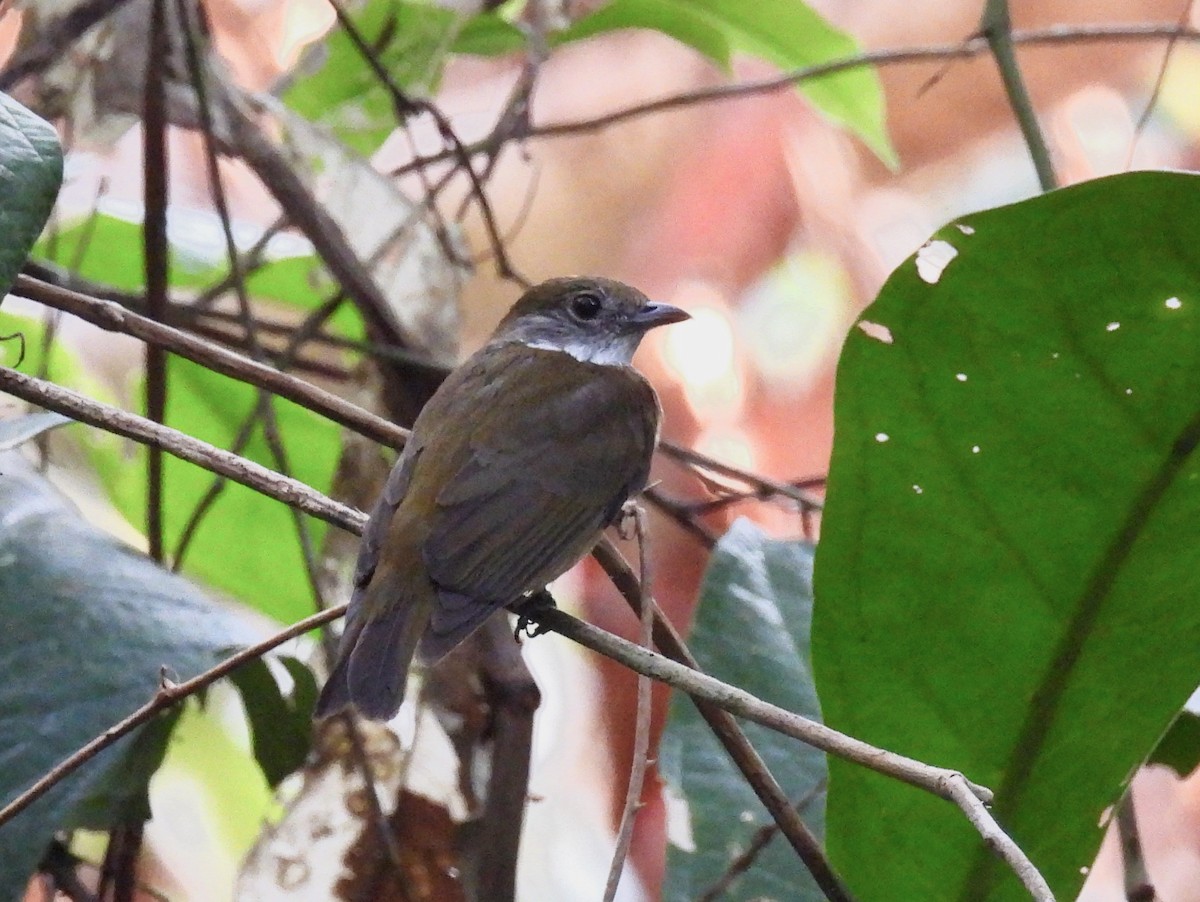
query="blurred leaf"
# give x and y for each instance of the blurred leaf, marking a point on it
(30, 175)
(788, 33)
(247, 545)
(488, 34)
(411, 40)
(751, 630)
(678, 19)
(19, 430)
(88, 625)
(280, 727)
(108, 250)
(1006, 577)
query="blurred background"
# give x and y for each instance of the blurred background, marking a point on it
(773, 226)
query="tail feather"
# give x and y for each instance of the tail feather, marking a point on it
(373, 661)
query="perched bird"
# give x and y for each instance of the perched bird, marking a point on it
(520, 459)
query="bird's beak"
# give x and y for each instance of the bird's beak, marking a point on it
(659, 315)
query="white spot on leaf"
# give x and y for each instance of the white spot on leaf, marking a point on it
(878, 331)
(933, 258)
(974, 449)
(1112, 327)
(961, 377)
(918, 489)
(1172, 303)
(881, 437)
(964, 228)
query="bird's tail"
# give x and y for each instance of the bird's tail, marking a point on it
(374, 656)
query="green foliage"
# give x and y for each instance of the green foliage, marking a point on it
(30, 174)
(280, 724)
(413, 39)
(86, 634)
(751, 630)
(788, 33)
(247, 544)
(1007, 578)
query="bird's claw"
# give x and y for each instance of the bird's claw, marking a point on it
(527, 610)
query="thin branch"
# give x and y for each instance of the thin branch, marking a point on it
(1159, 80)
(245, 472)
(730, 734)
(403, 106)
(1060, 34)
(52, 44)
(996, 27)
(966, 797)
(113, 317)
(1138, 887)
(758, 842)
(155, 179)
(704, 462)
(641, 723)
(167, 695)
(738, 702)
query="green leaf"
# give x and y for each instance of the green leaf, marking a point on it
(1006, 580)
(675, 18)
(488, 34)
(788, 33)
(751, 630)
(280, 727)
(411, 40)
(89, 624)
(30, 175)
(248, 544)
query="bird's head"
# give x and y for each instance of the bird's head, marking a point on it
(592, 319)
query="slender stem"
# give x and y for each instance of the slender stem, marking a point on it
(167, 695)
(245, 472)
(156, 253)
(641, 723)
(113, 317)
(996, 27)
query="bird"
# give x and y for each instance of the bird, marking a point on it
(526, 452)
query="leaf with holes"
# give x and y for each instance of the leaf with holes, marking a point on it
(1007, 581)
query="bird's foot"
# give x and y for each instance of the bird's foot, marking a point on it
(626, 521)
(527, 610)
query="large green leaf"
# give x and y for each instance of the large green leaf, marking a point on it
(30, 174)
(247, 545)
(89, 625)
(751, 630)
(1007, 577)
(788, 33)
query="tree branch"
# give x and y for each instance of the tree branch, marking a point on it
(996, 27)
(245, 472)
(113, 317)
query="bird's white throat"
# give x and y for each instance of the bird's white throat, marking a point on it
(614, 352)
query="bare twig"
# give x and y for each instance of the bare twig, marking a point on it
(966, 797)
(996, 27)
(1138, 887)
(641, 723)
(155, 179)
(1184, 17)
(758, 842)
(704, 462)
(730, 734)
(116, 318)
(167, 695)
(246, 472)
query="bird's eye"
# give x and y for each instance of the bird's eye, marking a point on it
(585, 306)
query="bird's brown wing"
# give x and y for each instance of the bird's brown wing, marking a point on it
(544, 473)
